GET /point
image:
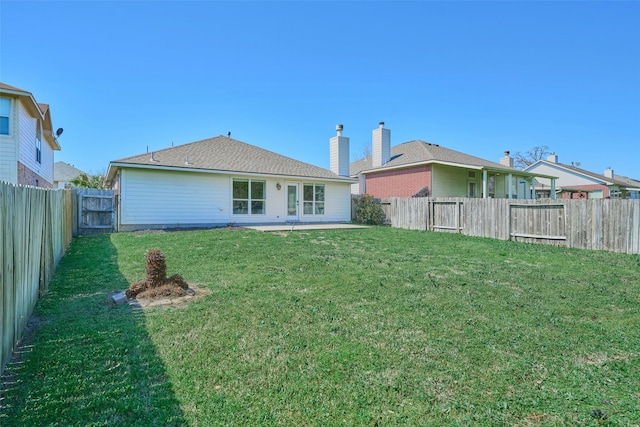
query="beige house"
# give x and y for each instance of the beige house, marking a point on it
(27, 140)
(222, 181)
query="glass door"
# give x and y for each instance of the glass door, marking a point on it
(292, 202)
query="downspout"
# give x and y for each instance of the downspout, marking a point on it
(552, 192)
(510, 186)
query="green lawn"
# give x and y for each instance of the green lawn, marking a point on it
(363, 327)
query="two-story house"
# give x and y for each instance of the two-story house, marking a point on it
(27, 140)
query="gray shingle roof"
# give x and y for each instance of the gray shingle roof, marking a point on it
(418, 151)
(617, 180)
(64, 172)
(222, 153)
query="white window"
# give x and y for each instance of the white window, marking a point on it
(313, 199)
(38, 141)
(249, 197)
(5, 113)
(472, 189)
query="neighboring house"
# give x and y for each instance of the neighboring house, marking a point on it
(63, 174)
(222, 181)
(419, 168)
(27, 141)
(576, 183)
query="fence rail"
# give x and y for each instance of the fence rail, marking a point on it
(35, 230)
(600, 224)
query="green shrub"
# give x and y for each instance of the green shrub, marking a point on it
(368, 210)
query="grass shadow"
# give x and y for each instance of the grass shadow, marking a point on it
(84, 360)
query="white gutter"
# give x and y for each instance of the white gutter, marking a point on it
(223, 172)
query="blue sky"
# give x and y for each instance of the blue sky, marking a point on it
(477, 77)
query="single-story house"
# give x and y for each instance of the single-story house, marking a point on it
(222, 181)
(419, 168)
(576, 183)
(27, 140)
(63, 174)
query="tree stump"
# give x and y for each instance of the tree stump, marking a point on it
(157, 283)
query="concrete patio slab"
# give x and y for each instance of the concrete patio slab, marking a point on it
(301, 227)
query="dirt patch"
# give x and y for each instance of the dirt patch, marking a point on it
(170, 297)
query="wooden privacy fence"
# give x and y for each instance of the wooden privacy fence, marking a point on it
(600, 224)
(35, 230)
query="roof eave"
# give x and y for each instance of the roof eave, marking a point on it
(114, 166)
(458, 165)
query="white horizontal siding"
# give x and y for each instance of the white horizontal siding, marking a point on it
(337, 204)
(160, 197)
(9, 147)
(172, 198)
(8, 165)
(27, 148)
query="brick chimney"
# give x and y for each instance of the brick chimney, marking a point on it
(381, 146)
(506, 160)
(339, 153)
(552, 158)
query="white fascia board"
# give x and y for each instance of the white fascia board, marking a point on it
(600, 181)
(224, 172)
(410, 165)
(21, 94)
(461, 165)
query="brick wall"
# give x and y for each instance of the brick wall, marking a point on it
(28, 177)
(585, 195)
(399, 182)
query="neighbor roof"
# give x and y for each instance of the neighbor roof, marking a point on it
(222, 153)
(420, 152)
(64, 172)
(620, 181)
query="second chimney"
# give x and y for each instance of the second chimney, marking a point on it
(381, 146)
(506, 160)
(339, 153)
(608, 172)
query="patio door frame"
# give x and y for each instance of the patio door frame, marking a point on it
(296, 216)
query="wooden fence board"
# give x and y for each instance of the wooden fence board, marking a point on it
(598, 224)
(35, 230)
(95, 211)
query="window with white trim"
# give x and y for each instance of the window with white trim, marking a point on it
(313, 199)
(38, 141)
(249, 197)
(5, 114)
